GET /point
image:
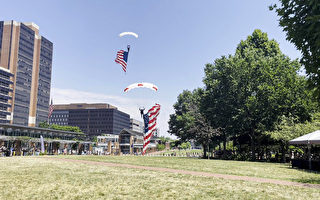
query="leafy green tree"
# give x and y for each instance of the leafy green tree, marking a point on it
(66, 128)
(188, 122)
(164, 140)
(160, 147)
(58, 127)
(247, 93)
(185, 145)
(180, 121)
(301, 21)
(219, 102)
(174, 143)
(44, 125)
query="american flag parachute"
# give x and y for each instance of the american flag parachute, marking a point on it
(150, 122)
(122, 58)
(141, 85)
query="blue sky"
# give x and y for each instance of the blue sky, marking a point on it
(176, 39)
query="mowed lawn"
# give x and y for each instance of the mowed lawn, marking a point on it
(253, 169)
(43, 178)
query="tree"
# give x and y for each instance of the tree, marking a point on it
(160, 147)
(248, 92)
(44, 125)
(58, 127)
(164, 140)
(301, 21)
(188, 122)
(219, 103)
(203, 133)
(180, 121)
(185, 145)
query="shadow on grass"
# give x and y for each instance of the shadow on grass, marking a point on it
(315, 180)
(308, 180)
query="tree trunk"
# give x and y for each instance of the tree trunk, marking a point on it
(283, 152)
(204, 150)
(258, 149)
(253, 147)
(224, 141)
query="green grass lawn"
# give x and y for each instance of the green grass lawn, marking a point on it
(254, 169)
(180, 152)
(41, 178)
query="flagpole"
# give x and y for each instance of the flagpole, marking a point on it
(128, 47)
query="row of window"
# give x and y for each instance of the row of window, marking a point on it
(59, 120)
(59, 116)
(60, 123)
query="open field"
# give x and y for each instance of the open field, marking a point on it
(180, 152)
(43, 178)
(252, 169)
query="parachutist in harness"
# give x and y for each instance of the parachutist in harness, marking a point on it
(141, 111)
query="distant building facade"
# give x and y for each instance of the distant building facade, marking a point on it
(136, 125)
(25, 65)
(108, 145)
(6, 85)
(131, 142)
(60, 117)
(92, 119)
(156, 132)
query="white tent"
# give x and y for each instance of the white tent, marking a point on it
(311, 138)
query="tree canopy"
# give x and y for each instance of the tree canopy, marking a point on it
(188, 122)
(245, 95)
(301, 22)
(58, 127)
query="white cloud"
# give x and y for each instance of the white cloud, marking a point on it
(127, 105)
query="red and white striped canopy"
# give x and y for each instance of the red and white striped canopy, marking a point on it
(141, 85)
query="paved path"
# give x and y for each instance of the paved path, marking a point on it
(194, 173)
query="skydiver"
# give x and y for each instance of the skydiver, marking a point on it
(141, 111)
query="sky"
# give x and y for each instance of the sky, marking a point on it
(176, 39)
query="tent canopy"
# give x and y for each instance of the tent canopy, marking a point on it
(311, 138)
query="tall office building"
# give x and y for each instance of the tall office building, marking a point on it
(92, 119)
(25, 73)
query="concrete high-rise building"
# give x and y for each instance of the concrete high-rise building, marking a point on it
(25, 73)
(92, 119)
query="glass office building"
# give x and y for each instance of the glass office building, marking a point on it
(92, 119)
(28, 58)
(5, 97)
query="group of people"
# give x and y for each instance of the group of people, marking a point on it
(4, 151)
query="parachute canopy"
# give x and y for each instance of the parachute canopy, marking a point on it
(128, 33)
(141, 85)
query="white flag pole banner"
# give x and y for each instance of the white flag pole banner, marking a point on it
(42, 144)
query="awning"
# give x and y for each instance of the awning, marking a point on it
(311, 138)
